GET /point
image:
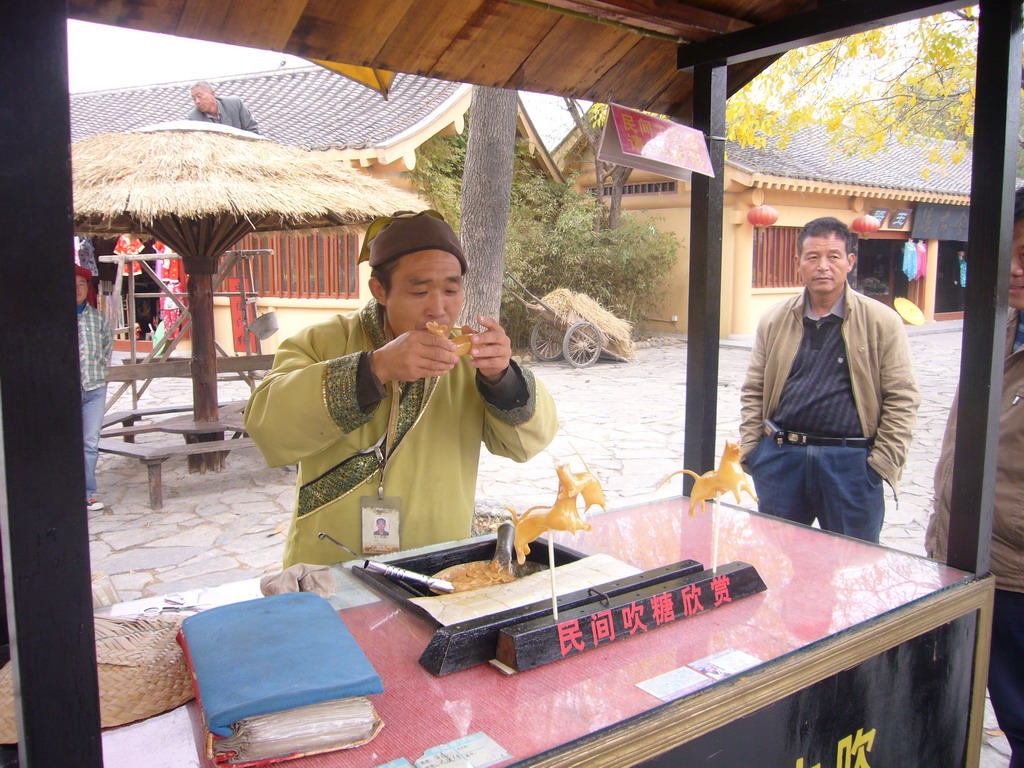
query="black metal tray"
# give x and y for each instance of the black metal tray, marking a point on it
(434, 562)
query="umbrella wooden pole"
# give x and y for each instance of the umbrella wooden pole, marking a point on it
(204, 358)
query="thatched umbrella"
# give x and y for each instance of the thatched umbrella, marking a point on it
(199, 188)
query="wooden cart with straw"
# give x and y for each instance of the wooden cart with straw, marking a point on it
(578, 329)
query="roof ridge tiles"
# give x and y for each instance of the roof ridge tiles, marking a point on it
(303, 106)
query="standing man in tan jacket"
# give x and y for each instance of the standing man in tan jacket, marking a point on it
(1006, 663)
(830, 397)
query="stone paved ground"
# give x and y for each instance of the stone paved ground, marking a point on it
(625, 419)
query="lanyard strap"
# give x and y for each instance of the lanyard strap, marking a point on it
(388, 437)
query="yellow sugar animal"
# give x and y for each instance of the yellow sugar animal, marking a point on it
(560, 516)
(728, 477)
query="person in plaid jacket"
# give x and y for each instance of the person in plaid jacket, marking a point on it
(95, 343)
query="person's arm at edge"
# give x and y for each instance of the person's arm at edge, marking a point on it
(752, 395)
(898, 404)
(521, 432)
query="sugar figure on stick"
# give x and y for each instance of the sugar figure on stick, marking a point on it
(563, 515)
(712, 484)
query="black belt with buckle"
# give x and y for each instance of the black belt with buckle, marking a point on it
(788, 437)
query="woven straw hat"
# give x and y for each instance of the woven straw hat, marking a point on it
(142, 672)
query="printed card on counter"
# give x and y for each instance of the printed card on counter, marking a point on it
(723, 664)
(478, 750)
(674, 684)
(698, 674)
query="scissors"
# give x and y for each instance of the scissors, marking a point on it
(176, 603)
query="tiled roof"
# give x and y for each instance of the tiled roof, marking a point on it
(307, 107)
(809, 156)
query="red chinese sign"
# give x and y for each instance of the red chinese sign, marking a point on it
(654, 144)
(632, 606)
(638, 616)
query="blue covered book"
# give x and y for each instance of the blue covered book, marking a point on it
(279, 677)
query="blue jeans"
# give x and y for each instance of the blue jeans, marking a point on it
(93, 401)
(1006, 670)
(834, 486)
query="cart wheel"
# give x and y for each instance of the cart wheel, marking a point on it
(582, 344)
(546, 342)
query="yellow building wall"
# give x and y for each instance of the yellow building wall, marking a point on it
(743, 305)
(671, 213)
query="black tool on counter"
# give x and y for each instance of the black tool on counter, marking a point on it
(393, 572)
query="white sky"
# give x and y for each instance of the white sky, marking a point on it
(102, 58)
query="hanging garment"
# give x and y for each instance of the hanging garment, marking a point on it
(173, 271)
(87, 255)
(910, 260)
(129, 246)
(922, 258)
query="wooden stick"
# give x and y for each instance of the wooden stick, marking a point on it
(580, 455)
(714, 531)
(551, 568)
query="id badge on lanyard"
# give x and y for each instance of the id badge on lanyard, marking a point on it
(381, 524)
(380, 515)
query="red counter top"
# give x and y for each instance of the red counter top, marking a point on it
(818, 584)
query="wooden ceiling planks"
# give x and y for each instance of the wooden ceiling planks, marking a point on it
(148, 15)
(639, 77)
(253, 23)
(425, 32)
(510, 32)
(346, 32)
(683, 20)
(558, 57)
(506, 43)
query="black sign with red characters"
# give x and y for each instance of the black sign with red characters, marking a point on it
(532, 643)
(907, 707)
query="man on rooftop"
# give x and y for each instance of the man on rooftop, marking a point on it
(226, 110)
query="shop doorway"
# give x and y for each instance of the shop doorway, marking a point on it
(950, 280)
(879, 272)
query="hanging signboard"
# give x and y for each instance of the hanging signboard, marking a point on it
(653, 144)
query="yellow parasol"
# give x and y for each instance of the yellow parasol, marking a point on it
(909, 311)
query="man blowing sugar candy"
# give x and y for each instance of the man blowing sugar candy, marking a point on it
(382, 416)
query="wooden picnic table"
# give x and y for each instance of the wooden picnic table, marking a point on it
(154, 454)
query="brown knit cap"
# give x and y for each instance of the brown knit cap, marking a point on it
(389, 237)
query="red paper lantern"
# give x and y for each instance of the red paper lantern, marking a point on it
(865, 225)
(762, 216)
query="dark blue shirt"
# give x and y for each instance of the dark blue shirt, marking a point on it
(818, 398)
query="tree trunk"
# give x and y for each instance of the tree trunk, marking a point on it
(590, 132)
(616, 175)
(619, 176)
(486, 194)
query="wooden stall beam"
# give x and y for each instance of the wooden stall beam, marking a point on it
(988, 254)
(824, 23)
(705, 293)
(42, 510)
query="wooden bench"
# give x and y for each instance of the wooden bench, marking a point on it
(127, 420)
(153, 455)
(181, 368)
(231, 420)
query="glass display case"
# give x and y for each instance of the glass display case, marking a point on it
(850, 650)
